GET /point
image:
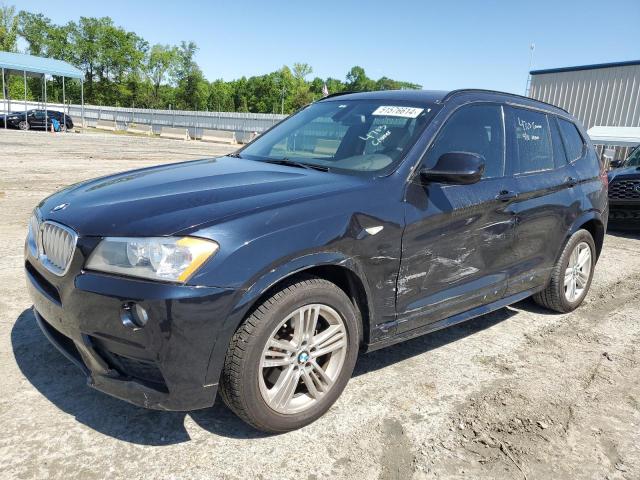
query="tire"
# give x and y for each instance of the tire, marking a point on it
(557, 295)
(23, 125)
(249, 384)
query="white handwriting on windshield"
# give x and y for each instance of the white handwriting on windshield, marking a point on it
(377, 135)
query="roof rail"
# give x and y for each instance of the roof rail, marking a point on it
(480, 90)
(337, 94)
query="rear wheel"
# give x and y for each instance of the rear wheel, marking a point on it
(571, 275)
(292, 357)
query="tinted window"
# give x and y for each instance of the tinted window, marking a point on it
(533, 143)
(476, 129)
(572, 139)
(559, 155)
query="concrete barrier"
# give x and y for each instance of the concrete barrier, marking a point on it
(246, 137)
(106, 125)
(140, 129)
(219, 136)
(176, 133)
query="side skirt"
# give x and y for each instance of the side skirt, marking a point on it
(453, 320)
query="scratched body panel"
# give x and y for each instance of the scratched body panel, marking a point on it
(457, 250)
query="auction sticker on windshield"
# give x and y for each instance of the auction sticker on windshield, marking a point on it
(394, 111)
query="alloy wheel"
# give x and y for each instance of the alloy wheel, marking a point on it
(302, 358)
(23, 125)
(578, 272)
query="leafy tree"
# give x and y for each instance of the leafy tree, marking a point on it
(34, 28)
(160, 61)
(191, 87)
(357, 80)
(301, 71)
(8, 28)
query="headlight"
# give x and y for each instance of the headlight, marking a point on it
(32, 233)
(158, 258)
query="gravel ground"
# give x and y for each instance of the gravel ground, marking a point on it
(520, 393)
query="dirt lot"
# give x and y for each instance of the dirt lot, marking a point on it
(520, 393)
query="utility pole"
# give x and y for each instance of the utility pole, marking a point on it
(282, 101)
(532, 49)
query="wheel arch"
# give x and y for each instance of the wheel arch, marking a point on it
(592, 223)
(341, 270)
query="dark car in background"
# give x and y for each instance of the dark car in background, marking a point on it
(624, 192)
(361, 221)
(36, 120)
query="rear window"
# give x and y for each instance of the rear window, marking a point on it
(572, 139)
(533, 143)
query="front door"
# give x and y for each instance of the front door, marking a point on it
(456, 248)
(36, 119)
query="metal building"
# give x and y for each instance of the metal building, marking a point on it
(606, 94)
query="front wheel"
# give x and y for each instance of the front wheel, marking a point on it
(571, 275)
(292, 357)
(24, 125)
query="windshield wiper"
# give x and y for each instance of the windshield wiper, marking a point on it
(234, 155)
(292, 163)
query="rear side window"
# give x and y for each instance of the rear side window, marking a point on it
(532, 141)
(559, 155)
(475, 129)
(572, 139)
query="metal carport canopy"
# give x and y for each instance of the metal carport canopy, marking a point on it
(615, 136)
(21, 62)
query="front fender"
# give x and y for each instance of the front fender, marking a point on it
(246, 298)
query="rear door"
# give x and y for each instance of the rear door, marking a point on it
(547, 189)
(456, 247)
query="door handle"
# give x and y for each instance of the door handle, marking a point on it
(570, 182)
(506, 195)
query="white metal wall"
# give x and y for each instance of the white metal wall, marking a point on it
(602, 96)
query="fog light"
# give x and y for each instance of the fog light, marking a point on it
(133, 315)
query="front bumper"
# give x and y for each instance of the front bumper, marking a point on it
(162, 365)
(624, 214)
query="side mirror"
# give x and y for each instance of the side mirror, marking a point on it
(615, 163)
(462, 168)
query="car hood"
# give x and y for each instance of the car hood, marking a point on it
(624, 172)
(184, 197)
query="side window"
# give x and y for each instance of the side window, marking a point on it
(532, 141)
(572, 139)
(559, 155)
(476, 129)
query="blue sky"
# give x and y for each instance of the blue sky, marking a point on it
(440, 45)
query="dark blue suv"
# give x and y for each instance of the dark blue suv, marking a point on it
(361, 221)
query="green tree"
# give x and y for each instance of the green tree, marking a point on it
(34, 28)
(191, 88)
(8, 28)
(357, 80)
(160, 61)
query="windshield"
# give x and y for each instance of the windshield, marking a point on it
(349, 135)
(633, 160)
